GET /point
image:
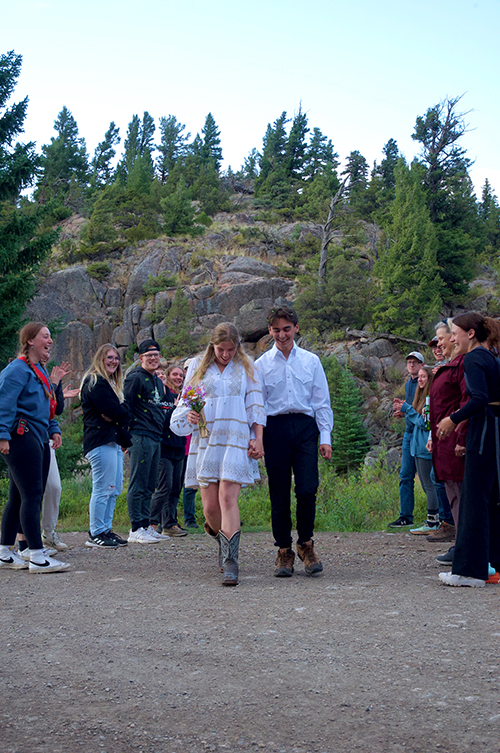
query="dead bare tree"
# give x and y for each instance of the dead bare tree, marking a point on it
(328, 232)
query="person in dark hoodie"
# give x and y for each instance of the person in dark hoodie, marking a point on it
(105, 419)
(144, 398)
(166, 497)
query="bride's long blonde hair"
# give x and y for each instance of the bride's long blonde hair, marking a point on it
(225, 332)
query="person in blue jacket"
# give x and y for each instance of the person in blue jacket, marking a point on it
(27, 410)
(418, 449)
(414, 361)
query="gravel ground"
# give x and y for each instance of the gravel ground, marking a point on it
(141, 649)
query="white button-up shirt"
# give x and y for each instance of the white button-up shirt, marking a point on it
(296, 384)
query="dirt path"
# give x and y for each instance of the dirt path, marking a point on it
(141, 649)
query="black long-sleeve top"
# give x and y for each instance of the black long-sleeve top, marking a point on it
(172, 446)
(97, 401)
(482, 380)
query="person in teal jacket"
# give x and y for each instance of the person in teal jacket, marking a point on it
(418, 450)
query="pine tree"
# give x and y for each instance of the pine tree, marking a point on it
(136, 168)
(319, 155)
(178, 342)
(178, 211)
(450, 196)
(349, 437)
(410, 290)
(23, 245)
(64, 163)
(211, 152)
(102, 172)
(489, 213)
(172, 146)
(357, 170)
(296, 147)
(250, 167)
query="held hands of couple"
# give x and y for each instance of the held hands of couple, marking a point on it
(255, 449)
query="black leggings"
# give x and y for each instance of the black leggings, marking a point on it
(28, 464)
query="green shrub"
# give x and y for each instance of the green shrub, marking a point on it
(99, 270)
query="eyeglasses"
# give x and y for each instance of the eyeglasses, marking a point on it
(113, 358)
(152, 355)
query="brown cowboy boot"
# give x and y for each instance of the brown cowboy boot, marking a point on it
(306, 553)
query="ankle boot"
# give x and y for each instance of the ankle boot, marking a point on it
(230, 551)
(215, 536)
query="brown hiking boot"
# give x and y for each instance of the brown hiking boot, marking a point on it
(284, 563)
(308, 556)
(445, 532)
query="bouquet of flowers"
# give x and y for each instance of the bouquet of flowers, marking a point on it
(194, 398)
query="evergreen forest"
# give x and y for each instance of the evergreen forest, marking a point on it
(400, 242)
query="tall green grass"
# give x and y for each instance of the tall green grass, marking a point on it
(365, 501)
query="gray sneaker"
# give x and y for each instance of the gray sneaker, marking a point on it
(52, 540)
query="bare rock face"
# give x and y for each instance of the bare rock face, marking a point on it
(252, 267)
(159, 259)
(75, 344)
(69, 293)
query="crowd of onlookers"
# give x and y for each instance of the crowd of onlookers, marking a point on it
(204, 425)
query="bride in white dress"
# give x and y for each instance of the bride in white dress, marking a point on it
(227, 459)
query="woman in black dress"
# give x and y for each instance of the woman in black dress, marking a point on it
(478, 535)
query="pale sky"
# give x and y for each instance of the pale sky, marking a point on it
(363, 70)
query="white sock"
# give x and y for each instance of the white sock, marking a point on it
(38, 556)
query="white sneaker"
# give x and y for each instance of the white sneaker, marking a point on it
(51, 539)
(25, 554)
(48, 566)
(142, 536)
(451, 579)
(13, 562)
(154, 533)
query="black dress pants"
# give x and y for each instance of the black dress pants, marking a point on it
(291, 446)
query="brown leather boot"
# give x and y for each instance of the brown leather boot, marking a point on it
(284, 563)
(445, 532)
(308, 556)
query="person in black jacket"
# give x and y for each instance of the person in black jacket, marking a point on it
(478, 534)
(105, 418)
(166, 497)
(144, 398)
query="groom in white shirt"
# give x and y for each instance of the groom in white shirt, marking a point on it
(297, 402)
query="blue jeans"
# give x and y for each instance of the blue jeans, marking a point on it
(189, 505)
(444, 505)
(144, 463)
(406, 480)
(106, 463)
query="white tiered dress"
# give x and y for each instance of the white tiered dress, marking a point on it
(233, 404)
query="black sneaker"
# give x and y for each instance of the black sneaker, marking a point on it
(114, 537)
(101, 541)
(401, 522)
(446, 559)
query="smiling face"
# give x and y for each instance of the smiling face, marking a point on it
(224, 353)
(461, 339)
(111, 361)
(283, 333)
(150, 360)
(444, 342)
(40, 346)
(176, 377)
(423, 378)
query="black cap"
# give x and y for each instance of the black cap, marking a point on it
(148, 345)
